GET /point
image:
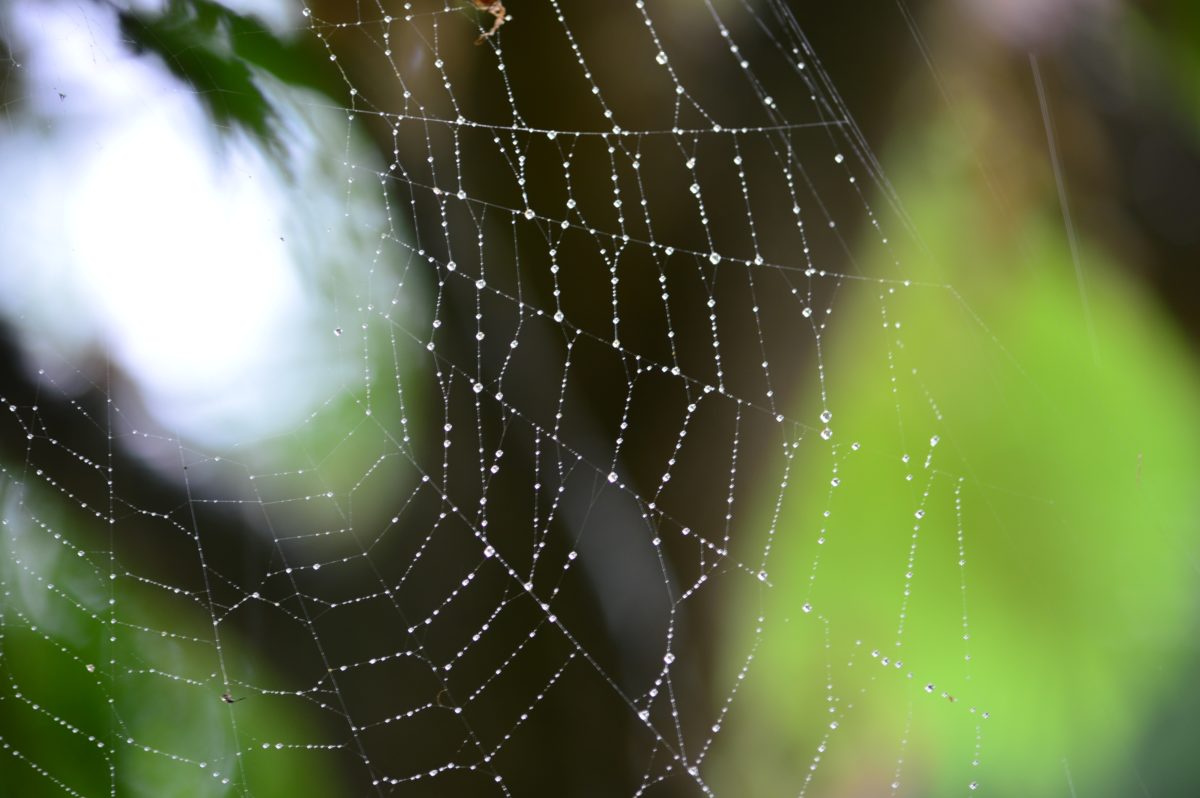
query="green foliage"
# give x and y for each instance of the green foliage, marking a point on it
(219, 54)
(96, 693)
(1065, 416)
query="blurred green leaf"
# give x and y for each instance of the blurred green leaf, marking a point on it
(93, 701)
(1066, 455)
(217, 51)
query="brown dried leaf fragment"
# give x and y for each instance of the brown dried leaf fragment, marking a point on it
(497, 10)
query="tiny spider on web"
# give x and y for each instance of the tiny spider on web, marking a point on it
(497, 10)
(229, 699)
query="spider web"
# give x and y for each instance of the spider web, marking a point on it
(580, 404)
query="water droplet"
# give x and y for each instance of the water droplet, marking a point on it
(714, 259)
(612, 477)
(661, 58)
(826, 416)
(668, 658)
(839, 158)
(826, 433)
(529, 213)
(337, 330)
(807, 607)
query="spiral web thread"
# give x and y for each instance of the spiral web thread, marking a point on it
(565, 468)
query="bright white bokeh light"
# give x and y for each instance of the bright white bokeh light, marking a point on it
(130, 229)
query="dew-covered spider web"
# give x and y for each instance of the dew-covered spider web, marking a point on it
(591, 448)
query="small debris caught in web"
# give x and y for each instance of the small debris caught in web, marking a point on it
(497, 10)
